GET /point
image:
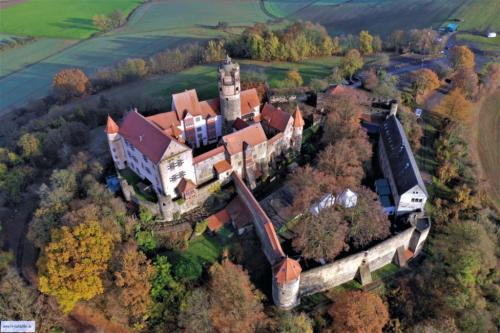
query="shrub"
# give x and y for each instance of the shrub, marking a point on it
(146, 240)
(188, 268)
(200, 227)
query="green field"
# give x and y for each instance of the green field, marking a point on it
(153, 27)
(15, 59)
(377, 16)
(59, 18)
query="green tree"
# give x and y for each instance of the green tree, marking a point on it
(365, 42)
(168, 294)
(71, 264)
(377, 44)
(351, 63)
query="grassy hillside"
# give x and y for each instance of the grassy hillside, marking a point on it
(488, 139)
(59, 18)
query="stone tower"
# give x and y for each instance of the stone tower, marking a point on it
(229, 91)
(115, 143)
(286, 283)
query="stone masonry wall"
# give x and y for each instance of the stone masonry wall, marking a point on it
(344, 270)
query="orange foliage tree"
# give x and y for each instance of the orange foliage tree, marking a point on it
(455, 106)
(235, 304)
(359, 312)
(462, 57)
(69, 83)
(425, 80)
(467, 81)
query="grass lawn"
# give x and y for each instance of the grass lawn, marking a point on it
(205, 248)
(59, 18)
(480, 41)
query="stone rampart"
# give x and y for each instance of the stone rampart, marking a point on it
(346, 269)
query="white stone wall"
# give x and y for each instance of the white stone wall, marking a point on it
(285, 295)
(142, 166)
(176, 165)
(204, 170)
(411, 201)
(344, 270)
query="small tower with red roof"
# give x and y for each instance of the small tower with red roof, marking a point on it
(298, 127)
(115, 143)
(286, 283)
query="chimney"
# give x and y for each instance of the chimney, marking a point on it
(394, 109)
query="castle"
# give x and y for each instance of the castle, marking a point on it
(159, 148)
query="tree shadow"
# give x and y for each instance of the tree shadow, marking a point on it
(75, 23)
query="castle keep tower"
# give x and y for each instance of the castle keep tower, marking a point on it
(229, 90)
(115, 143)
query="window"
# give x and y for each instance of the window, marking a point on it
(145, 158)
(199, 129)
(180, 162)
(135, 159)
(173, 178)
(171, 166)
(181, 174)
(200, 137)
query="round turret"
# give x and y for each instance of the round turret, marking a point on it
(229, 90)
(286, 283)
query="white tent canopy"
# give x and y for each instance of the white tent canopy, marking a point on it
(348, 199)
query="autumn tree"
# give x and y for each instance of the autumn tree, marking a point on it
(71, 264)
(309, 183)
(367, 220)
(344, 112)
(462, 57)
(377, 44)
(455, 106)
(370, 79)
(30, 145)
(365, 42)
(69, 83)
(321, 237)
(342, 163)
(195, 315)
(351, 63)
(359, 312)
(134, 276)
(424, 81)
(466, 80)
(235, 304)
(294, 77)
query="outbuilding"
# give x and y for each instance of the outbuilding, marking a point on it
(492, 34)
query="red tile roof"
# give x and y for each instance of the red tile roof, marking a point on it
(208, 154)
(185, 185)
(338, 89)
(111, 126)
(185, 102)
(239, 124)
(267, 226)
(249, 100)
(252, 135)
(210, 108)
(218, 220)
(275, 117)
(298, 121)
(144, 135)
(164, 120)
(287, 270)
(408, 254)
(222, 166)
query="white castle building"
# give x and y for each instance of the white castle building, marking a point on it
(159, 148)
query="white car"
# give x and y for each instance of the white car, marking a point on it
(418, 112)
